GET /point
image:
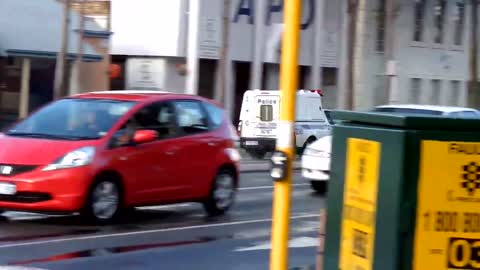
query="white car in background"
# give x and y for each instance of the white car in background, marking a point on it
(316, 157)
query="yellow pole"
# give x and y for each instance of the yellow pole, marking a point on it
(288, 88)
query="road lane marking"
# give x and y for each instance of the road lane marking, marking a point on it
(267, 187)
(299, 242)
(80, 238)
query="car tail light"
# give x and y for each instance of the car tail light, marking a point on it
(239, 129)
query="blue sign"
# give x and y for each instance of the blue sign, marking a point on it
(247, 8)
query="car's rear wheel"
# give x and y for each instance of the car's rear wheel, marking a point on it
(103, 204)
(222, 193)
(319, 186)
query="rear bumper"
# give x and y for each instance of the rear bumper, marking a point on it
(263, 144)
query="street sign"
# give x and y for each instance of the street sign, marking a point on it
(448, 198)
(359, 205)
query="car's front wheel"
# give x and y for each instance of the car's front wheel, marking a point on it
(222, 193)
(103, 203)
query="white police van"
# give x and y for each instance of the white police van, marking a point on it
(260, 115)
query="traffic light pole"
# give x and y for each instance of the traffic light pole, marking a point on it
(285, 153)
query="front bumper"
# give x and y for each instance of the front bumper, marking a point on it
(55, 191)
(316, 168)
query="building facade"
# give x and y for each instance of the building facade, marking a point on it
(30, 39)
(431, 52)
(150, 43)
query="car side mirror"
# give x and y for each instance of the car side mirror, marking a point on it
(145, 136)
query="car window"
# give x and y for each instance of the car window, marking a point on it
(191, 117)
(464, 114)
(157, 116)
(215, 114)
(407, 111)
(328, 115)
(73, 118)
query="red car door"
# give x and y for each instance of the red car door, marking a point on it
(196, 148)
(149, 168)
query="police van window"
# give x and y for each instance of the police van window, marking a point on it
(266, 113)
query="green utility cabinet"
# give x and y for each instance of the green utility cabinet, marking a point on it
(404, 193)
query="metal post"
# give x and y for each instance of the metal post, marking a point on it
(224, 60)
(343, 56)
(192, 50)
(316, 76)
(352, 36)
(390, 63)
(473, 96)
(256, 72)
(288, 87)
(25, 88)
(59, 84)
(77, 69)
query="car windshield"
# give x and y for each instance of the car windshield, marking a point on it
(328, 114)
(72, 119)
(407, 111)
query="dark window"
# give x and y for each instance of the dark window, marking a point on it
(215, 114)
(419, 16)
(328, 114)
(266, 113)
(459, 20)
(439, 19)
(191, 118)
(380, 44)
(158, 117)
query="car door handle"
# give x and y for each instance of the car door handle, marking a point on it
(170, 153)
(212, 144)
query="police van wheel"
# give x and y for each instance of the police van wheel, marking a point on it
(258, 154)
(309, 141)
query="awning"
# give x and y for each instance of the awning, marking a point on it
(50, 55)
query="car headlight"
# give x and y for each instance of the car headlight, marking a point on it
(80, 157)
(316, 153)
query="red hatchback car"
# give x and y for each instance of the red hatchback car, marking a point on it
(103, 152)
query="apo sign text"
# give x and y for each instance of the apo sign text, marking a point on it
(247, 8)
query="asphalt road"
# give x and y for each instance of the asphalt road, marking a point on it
(168, 237)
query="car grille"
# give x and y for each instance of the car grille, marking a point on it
(26, 197)
(16, 169)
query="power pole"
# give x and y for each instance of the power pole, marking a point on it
(192, 50)
(352, 36)
(223, 61)
(473, 96)
(59, 84)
